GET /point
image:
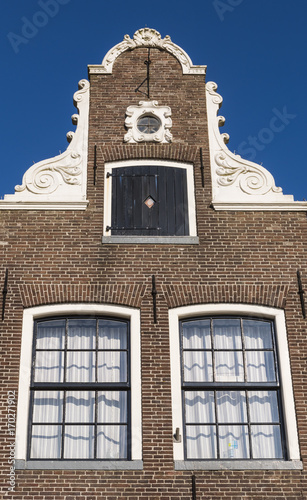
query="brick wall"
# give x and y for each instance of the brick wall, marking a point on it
(242, 257)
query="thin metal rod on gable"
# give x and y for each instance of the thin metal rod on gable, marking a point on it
(193, 487)
(154, 298)
(4, 292)
(202, 168)
(95, 163)
(301, 293)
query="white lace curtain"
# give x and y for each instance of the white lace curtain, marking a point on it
(74, 412)
(218, 419)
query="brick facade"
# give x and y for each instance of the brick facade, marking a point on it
(57, 257)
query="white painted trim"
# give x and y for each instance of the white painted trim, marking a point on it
(294, 206)
(133, 315)
(147, 37)
(40, 205)
(130, 163)
(148, 108)
(283, 355)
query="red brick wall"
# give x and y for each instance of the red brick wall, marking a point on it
(245, 257)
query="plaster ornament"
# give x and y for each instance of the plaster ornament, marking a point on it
(62, 179)
(239, 184)
(148, 109)
(150, 38)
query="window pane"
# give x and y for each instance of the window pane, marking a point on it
(112, 366)
(197, 366)
(80, 366)
(80, 406)
(229, 366)
(263, 406)
(201, 441)
(49, 366)
(112, 407)
(231, 406)
(227, 334)
(46, 441)
(266, 441)
(112, 442)
(199, 407)
(196, 334)
(260, 366)
(79, 441)
(257, 334)
(112, 334)
(48, 406)
(50, 335)
(233, 441)
(81, 334)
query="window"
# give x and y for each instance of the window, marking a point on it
(149, 201)
(231, 386)
(84, 397)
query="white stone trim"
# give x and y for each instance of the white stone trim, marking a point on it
(283, 355)
(237, 182)
(60, 182)
(131, 163)
(133, 315)
(147, 37)
(151, 108)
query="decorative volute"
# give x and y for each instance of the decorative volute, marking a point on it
(239, 184)
(58, 183)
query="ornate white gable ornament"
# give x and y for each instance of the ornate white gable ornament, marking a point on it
(147, 37)
(239, 184)
(148, 121)
(58, 183)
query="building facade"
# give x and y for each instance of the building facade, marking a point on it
(153, 319)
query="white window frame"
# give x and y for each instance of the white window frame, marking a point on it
(288, 406)
(30, 315)
(107, 236)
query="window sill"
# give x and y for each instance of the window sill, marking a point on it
(79, 464)
(238, 465)
(152, 240)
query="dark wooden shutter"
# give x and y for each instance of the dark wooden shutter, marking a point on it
(166, 186)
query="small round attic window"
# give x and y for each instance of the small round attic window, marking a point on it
(148, 124)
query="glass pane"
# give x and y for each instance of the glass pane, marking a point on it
(112, 334)
(81, 334)
(257, 334)
(48, 406)
(46, 441)
(79, 441)
(229, 366)
(263, 406)
(233, 441)
(112, 407)
(260, 366)
(112, 441)
(201, 441)
(50, 335)
(196, 334)
(80, 406)
(266, 441)
(227, 334)
(80, 366)
(231, 406)
(112, 366)
(197, 366)
(199, 407)
(49, 366)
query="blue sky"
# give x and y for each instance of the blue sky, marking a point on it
(255, 51)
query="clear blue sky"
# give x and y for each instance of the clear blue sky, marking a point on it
(255, 51)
